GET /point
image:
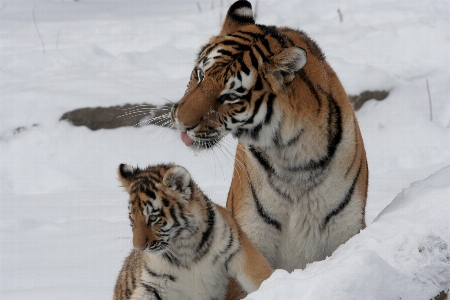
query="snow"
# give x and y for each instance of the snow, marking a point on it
(64, 228)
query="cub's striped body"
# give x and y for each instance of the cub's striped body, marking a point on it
(300, 180)
(186, 247)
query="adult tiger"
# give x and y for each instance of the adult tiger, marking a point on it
(300, 179)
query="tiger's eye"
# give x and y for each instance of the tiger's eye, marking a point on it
(152, 218)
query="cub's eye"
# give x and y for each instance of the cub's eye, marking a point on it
(153, 219)
(200, 75)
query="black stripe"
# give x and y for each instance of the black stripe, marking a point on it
(225, 52)
(262, 160)
(236, 35)
(311, 88)
(276, 188)
(154, 274)
(248, 96)
(334, 135)
(252, 34)
(203, 49)
(266, 45)
(239, 76)
(235, 44)
(230, 257)
(241, 110)
(344, 202)
(205, 242)
(171, 258)
(245, 69)
(174, 217)
(128, 293)
(182, 216)
(230, 240)
(255, 109)
(255, 131)
(258, 85)
(229, 243)
(274, 33)
(152, 290)
(269, 105)
(270, 172)
(261, 53)
(151, 194)
(279, 143)
(262, 212)
(254, 60)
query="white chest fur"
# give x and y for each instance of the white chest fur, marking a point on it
(203, 280)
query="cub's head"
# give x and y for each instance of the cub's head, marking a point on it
(160, 204)
(238, 78)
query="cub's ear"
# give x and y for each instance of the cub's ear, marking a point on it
(238, 15)
(178, 179)
(126, 175)
(288, 62)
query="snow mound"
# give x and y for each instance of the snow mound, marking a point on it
(403, 254)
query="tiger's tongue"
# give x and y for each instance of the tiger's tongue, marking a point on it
(186, 139)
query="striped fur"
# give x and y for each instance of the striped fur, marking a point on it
(300, 180)
(185, 246)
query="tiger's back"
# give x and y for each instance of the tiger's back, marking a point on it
(186, 247)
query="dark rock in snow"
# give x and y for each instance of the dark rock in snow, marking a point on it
(136, 115)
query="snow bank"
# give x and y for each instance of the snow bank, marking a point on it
(403, 254)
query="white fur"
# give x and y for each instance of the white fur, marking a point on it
(244, 12)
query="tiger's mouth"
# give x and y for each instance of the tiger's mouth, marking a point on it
(201, 141)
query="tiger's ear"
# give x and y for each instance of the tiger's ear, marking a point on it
(239, 14)
(287, 63)
(178, 179)
(126, 175)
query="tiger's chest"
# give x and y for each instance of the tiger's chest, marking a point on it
(292, 209)
(206, 280)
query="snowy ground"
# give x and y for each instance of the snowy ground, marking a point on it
(63, 218)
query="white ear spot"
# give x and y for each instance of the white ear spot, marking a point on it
(244, 12)
(128, 168)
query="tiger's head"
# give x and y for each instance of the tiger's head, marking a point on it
(237, 82)
(161, 209)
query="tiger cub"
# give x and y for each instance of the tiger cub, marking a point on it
(185, 246)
